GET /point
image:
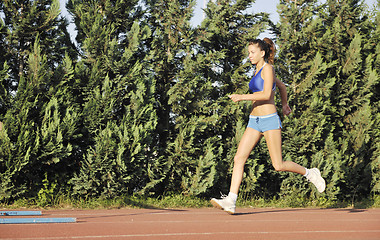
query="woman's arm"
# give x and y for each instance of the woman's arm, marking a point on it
(284, 97)
(268, 76)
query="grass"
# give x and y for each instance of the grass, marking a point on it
(373, 202)
(182, 201)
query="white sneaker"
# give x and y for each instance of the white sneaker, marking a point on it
(225, 203)
(315, 178)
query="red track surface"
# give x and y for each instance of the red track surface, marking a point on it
(202, 224)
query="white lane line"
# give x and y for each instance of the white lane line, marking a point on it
(190, 212)
(193, 234)
(131, 221)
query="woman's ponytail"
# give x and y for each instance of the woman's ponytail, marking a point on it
(271, 52)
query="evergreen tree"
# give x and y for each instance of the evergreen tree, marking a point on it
(354, 79)
(330, 127)
(5, 96)
(24, 20)
(4, 78)
(37, 129)
(169, 22)
(373, 63)
(142, 106)
(118, 114)
(33, 134)
(169, 45)
(300, 65)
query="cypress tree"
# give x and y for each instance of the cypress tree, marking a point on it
(169, 22)
(373, 63)
(4, 78)
(118, 114)
(61, 126)
(32, 132)
(24, 20)
(5, 150)
(330, 127)
(5, 96)
(354, 79)
(169, 45)
(35, 131)
(300, 65)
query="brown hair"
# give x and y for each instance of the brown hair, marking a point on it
(268, 47)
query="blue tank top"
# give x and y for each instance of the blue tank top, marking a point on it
(257, 82)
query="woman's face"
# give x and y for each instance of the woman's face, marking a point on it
(255, 54)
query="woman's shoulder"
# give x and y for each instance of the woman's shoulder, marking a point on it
(268, 65)
(268, 68)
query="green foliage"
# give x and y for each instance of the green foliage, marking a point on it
(46, 193)
(5, 97)
(119, 118)
(332, 127)
(140, 106)
(373, 64)
(24, 22)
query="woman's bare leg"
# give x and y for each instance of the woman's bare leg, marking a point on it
(249, 140)
(274, 143)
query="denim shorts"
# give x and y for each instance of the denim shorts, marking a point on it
(265, 123)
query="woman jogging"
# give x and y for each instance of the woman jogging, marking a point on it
(263, 121)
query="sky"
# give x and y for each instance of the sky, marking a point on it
(269, 6)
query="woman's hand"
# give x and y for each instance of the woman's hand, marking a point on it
(235, 97)
(286, 109)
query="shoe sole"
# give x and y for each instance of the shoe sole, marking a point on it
(324, 186)
(324, 182)
(216, 205)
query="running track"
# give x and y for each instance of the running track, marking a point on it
(202, 224)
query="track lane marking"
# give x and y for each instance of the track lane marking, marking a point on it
(194, 234)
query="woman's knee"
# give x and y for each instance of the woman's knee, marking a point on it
(279, 166)
(239, 160)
